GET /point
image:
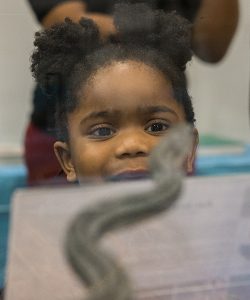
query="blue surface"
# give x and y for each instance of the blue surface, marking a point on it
(11, 177)
(224, 164)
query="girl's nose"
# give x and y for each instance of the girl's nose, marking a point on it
(133, 144)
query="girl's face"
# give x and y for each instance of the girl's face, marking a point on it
(124, 111)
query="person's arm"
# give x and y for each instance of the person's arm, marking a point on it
(75, 10)
(214, 28)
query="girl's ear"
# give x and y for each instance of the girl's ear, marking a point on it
(63, 155)
(191, 157)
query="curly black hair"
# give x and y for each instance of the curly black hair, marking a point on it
(68, 54)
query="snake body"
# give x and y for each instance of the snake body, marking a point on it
(103, 276)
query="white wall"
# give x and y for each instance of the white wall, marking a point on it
(17, 28)
(220, 93)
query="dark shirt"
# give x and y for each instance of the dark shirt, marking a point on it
(44, 107)
(186, 8)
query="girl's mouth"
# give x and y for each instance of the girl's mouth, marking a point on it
(129, 175)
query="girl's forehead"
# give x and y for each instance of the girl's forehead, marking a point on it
(127, 86)
(127, 68)
(129, 79)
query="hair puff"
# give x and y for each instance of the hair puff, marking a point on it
(59, 48)
(168, 33)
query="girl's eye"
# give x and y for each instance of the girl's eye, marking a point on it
(157, 127)
(102, 132)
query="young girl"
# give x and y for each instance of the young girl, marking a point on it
(115, 100)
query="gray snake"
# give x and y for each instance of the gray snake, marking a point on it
(102, 275)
